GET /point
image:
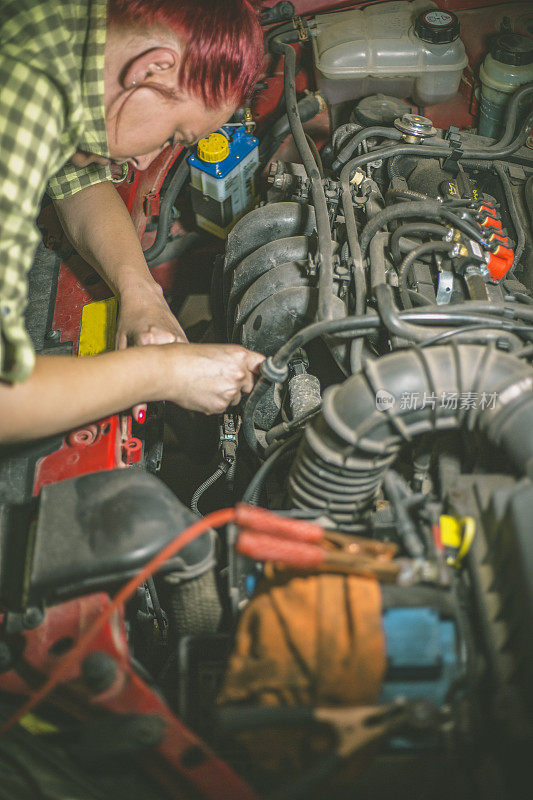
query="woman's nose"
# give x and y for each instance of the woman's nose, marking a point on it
(142, 162)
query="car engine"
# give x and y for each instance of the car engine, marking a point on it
(388, 283)
(363, 626)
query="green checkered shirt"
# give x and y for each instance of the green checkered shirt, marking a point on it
(51, 104)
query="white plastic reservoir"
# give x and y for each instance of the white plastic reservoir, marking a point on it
(404, 49)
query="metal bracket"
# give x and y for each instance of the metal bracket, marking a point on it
(444, 287)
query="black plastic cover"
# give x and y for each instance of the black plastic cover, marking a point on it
(100, 529)
(513, 49)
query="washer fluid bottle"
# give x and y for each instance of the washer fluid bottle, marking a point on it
(223, 172)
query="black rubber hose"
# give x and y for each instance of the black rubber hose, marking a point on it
(428, 209)
(163, 223)
(280, 431)
(349, 149)
(352, 422)
(342, 133)
(440, 148)
(393, 169)
(410, 229)
(252, 494)
(396, 322)
(325, 247)
(308, 108)
(511, 113)
(378, 267)
(356, 351)
(519, 223)
(316, 155)
(528, 195)
(427, 248)
(467, 313)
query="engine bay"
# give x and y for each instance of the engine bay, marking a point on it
(362, 626)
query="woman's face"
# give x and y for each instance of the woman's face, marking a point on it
(149, 121)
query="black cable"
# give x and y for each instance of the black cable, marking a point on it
(252, 494)
(324, 247)
(217, 474)
(405, 194)
(287, 427)
(427, 248)
(428, 209)
(316, 155)
(528, 194)
(467, 328)
(163, 223)
(158, 611)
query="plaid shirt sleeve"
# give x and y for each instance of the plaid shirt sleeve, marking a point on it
(31, 121)
(71, 179)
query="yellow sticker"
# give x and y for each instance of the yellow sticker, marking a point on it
(98, 327)
(36, 725)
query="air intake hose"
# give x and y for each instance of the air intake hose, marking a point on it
(346, 449)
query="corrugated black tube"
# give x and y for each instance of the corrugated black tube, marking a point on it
(357, 435)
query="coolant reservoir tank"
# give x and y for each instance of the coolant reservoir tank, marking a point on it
(404, 49)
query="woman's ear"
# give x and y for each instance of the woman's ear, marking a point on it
(159, 65)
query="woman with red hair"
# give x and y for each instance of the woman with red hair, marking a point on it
(86, 85)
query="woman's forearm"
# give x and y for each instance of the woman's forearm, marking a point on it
(98, 224)
(64, 392)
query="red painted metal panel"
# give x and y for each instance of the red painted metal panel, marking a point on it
(63, 626)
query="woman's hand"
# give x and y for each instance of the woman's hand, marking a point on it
(144, 317)
(207, 377)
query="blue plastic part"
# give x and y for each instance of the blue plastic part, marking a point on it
(241, 144)
(422, 655)
(251, 583)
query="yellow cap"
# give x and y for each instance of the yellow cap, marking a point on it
(214, 148)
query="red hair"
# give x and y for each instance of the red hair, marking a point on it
(223, 42)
